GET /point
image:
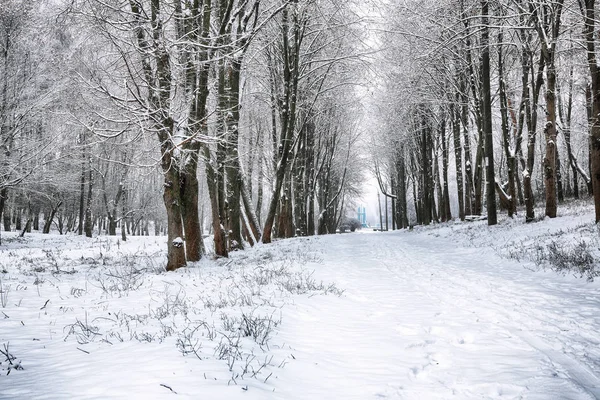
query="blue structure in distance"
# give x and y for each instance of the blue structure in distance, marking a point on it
(362, 216)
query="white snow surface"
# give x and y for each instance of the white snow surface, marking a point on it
(433, 313)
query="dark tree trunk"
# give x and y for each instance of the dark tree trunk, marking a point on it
(310, 174)
(589, 110)
(589, 31)
(402, 201)
(18, 219)
(300, 182)
(492, 217)
(176, 251)
(446, 192)
(259, 184)
(252, 219)
(550, 135)
(474, 173)
(394, 212)
(427, 176)
(220, 240)
(458, 158)
(380, 215)
(196, 29)
(88, 225)
(36, 218)
(27, 227)
(82, 199)
(531, 113)
(567, 132)
(232, 168)
(559, 185)
(50, 218)
(194, 245)
(5, 215)
(291, 50)
(511, 161)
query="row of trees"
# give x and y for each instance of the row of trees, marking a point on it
(241, 113)
(475, 85)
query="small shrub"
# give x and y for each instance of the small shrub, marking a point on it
(568, 258)
(121, 280)
(10, 361)
(83, 331)
(258, 328)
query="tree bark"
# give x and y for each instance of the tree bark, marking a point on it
(492, 218)
(510, 200)
(589, 13)
(458, 157)
(82, 195)
(88, 225)
(550, 135)
(50, 218)
(220, 240)
(189, 186)
(291, 75)
(446, 192)
(232, 168)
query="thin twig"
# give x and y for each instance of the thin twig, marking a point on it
(168, 387)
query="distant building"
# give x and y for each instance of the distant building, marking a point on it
(362, 216)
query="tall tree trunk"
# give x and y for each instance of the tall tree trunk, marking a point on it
(548, 32)
(82, 196)
(252, 219)
(458, 158)
(427, 175)
(50, 218)
(291, 56)
(589, 109)
(531, 114)
(589, 31)
(220, 240)
(446, 192)
(385, 202)
(550, 135)
(380, 215)
(565, 117)
(156, 67)
(402, 201)
(394, 212)
(492, 217)
(300, 182)
(3, 213)
(559, 185)
(259, 183)
(474, 172)
(195, 29)
(509, 152)
(189, 186)
(232, 168)
(310, 173)
(88, 225)
(176, 250)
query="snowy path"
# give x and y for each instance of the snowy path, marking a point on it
(422, 317)
(431, 320)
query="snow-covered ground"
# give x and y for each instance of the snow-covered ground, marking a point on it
(451, 311)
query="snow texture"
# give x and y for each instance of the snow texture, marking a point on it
(431, 313)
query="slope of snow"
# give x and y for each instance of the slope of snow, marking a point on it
(433, 313)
